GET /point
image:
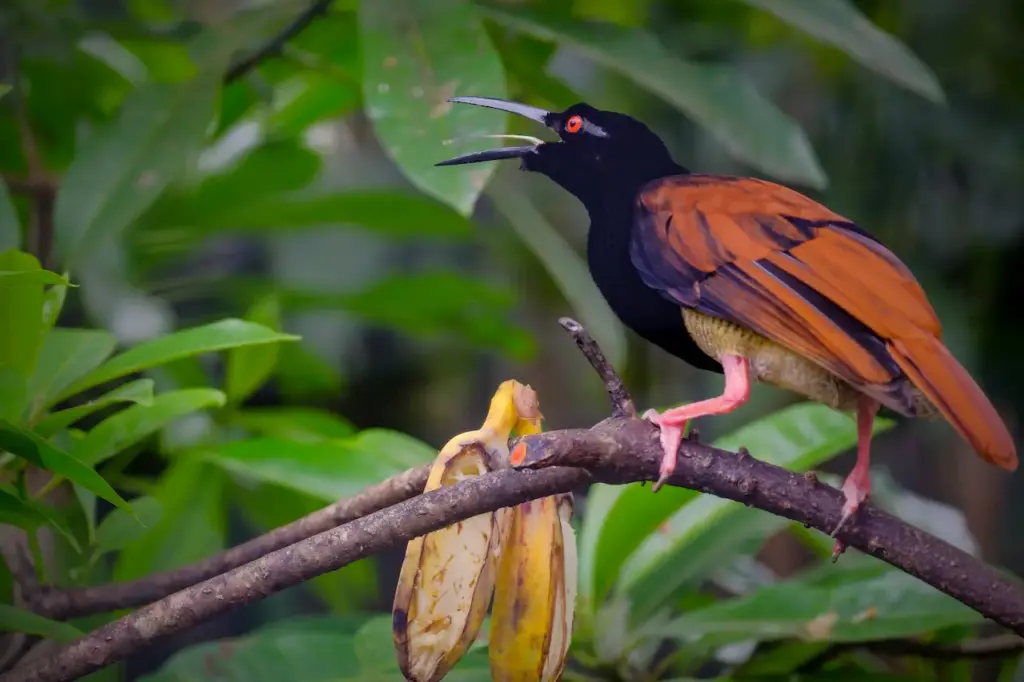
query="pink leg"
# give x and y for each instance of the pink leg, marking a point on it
(857, 486)
(672, 422)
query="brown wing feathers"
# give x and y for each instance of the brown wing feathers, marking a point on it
(770, 259)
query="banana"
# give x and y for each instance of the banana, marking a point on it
(447, 577)
(535, 598)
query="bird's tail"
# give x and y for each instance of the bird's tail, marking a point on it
(934, 370)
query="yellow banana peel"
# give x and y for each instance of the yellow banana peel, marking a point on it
(535, 593)
(447, 577)
(525, 556)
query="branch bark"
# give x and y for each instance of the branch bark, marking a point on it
(618, 450)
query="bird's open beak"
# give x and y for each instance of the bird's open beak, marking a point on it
(532, 113)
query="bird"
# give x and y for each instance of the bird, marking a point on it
(754, 280)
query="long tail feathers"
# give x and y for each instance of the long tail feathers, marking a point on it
(934, 370)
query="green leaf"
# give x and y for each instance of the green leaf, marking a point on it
(272, 168)
(228, 333)
(840, 23)
(299, 424)
(10, 226)
(328, 470)
(435, 304)
(637, 535)
(710, 531)
(132, 425)
(4, 89)
(120, 528)
(21, 309)
(566, 267)
(29, 514)
(718, 97)
(887, 606)
(303, 375)
(17, 620)
(119, 171)
(13, 393)
(250, 366)
(314, 649)
(67, 356)
(391, 213)
(29, 446)
(139, 392)
(413, 62)
(191, 528)
(53, 304)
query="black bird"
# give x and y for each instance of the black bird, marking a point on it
(754, 280)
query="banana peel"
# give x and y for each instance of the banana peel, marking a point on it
(524, 556)
(535, 593)
(447, 578)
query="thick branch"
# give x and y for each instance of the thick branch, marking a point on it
(75, 603)
(616, 451)
(274, 46)
(292, 565)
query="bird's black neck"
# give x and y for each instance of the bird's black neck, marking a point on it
(641, 308)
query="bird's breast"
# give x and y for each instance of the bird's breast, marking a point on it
(770, 363)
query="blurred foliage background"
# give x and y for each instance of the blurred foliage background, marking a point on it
(184, 169)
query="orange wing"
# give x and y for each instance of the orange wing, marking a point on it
(770, 259)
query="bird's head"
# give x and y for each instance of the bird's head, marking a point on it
(597, 151)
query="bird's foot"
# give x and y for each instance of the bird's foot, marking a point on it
(671, 434)
(856, 490)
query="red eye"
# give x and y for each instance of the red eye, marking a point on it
(574, 124)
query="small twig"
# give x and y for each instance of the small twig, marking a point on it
(84, 601)
(273, 46)
(622, 402)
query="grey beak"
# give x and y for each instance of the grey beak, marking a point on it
(525, 110)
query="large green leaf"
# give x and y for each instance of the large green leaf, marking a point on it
(67, 356)
(886, 606)
(139, 392)
(273, 168)
(132, 425)
(840, 23)
(21, 309)
(228, 333)
(10, 226)
(119, 528)
(717, 97)
(414, 59)
(566, 267)
(14, 619)
(122, 169)
(709, 531)
(328, 470)
(293, 423)
(248, 367)
(629, 526)
(433, 304)
(192, 526)
(323, 649)
(32, 448)
(390, 213)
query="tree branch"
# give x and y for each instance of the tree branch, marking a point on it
(75, 603)
(616, 451)
(274, 46)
